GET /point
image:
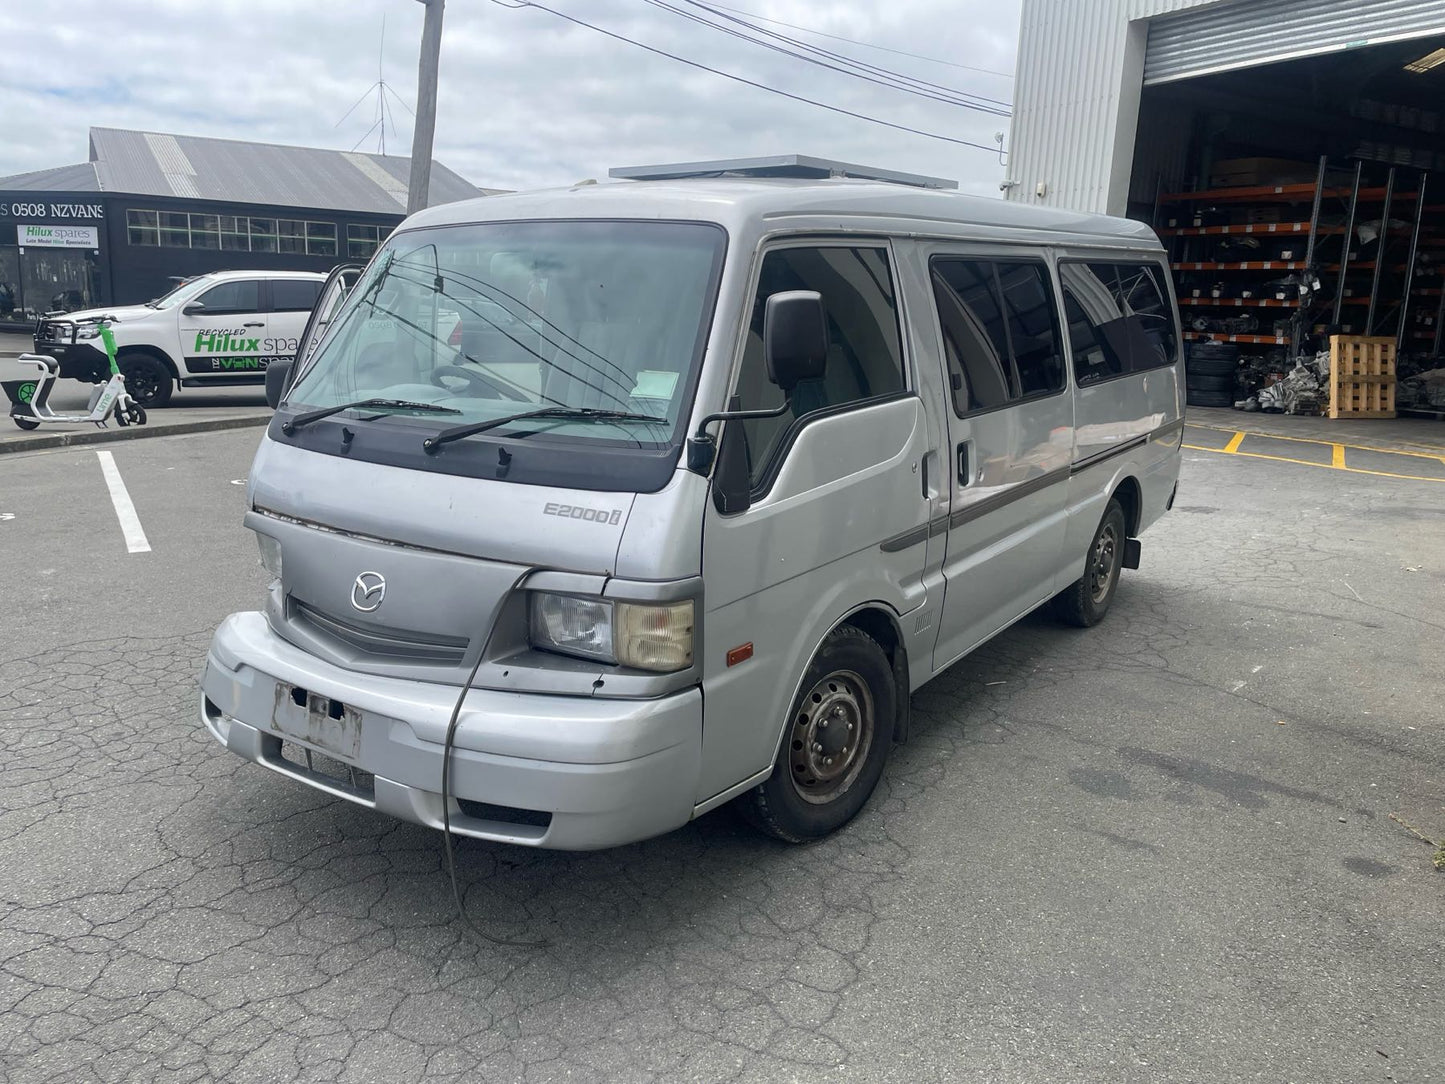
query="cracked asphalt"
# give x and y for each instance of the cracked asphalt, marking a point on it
(1159, 850)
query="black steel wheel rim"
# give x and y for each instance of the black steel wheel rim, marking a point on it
(830, 737)
(1102, 562)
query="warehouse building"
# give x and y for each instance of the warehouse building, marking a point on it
(149, 208)
(1291, 153)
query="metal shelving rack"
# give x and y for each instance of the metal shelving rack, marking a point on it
(1328, 305)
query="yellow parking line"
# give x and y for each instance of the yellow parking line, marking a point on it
(1234, 443)
(1337, 456)
(1311, 463)
(1310, 440)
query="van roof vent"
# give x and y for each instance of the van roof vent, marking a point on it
(779, 165)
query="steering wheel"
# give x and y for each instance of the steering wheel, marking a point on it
(478, 381)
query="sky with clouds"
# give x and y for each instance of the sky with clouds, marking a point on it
(527, 99)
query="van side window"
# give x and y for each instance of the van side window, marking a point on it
(865, 352)
(1120, 320)
(1000, 331)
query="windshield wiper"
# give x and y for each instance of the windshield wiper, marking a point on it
(290, 425)
(457, 432)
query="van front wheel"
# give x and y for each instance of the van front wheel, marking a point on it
(1085, 601)
(835, 744)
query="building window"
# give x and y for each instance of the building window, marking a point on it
(263, 234)
(142, 228)
(321, 239)
(291, 237)
(362, 241)
(175, 229)
(233, 233)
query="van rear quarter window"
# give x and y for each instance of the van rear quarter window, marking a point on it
(1120, 319)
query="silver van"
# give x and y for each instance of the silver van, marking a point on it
(595, 509)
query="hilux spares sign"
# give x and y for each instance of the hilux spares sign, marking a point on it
(58, 236)
(235, 351)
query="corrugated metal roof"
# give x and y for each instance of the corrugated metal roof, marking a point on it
(233, 171)
(77, 178)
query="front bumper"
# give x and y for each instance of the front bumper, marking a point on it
(588, 772)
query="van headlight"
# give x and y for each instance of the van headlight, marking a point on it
(270, 554)
(645, 636)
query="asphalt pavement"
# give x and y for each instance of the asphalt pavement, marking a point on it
(1160, 850)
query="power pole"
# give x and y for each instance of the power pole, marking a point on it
(426, 107)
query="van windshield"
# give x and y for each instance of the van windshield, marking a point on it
(500, 319)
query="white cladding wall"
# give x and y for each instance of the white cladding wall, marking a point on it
(1082, 64)
(1076, 99)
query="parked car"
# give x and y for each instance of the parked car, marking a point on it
(214, 330)
(713, 473)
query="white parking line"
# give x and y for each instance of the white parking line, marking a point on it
(135, 536)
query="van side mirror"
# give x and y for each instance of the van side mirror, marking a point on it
(795, 337)
(194, 308)
(278, 375)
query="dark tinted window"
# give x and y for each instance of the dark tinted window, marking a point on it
(294, 295)
(242, 295)
(1119, 318)
(865, 355)
(1000, 335)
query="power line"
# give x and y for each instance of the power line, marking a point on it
(741, 79)
(883, 77)
(852, 62)
(867, 44)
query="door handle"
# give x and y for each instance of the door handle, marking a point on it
(930, 475)
(965, 472)
(254, 323)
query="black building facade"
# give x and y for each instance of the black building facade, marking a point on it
(149, 209)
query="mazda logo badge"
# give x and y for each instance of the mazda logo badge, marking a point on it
(368, 591)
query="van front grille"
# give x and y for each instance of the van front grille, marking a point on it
(380, 642)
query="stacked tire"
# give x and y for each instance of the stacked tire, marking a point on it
(1209, 374)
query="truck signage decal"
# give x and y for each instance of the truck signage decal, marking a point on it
(232, 350)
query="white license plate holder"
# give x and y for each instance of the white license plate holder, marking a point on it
(317, 721)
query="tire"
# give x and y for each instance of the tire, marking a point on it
(1214, 351)
(1211, 367)
(1210, 399)
(1217, 385)
(25, 423)
(137, 415)
(1085, 601)
(147, 380)
(825, 774)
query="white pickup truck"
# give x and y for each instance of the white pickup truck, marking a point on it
(218, 329)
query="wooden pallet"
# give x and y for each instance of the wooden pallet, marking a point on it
(1362, 376)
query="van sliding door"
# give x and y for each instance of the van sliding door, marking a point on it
(1010, 440)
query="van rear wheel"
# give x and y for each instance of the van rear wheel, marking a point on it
(836, 742)
(1085, 601)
